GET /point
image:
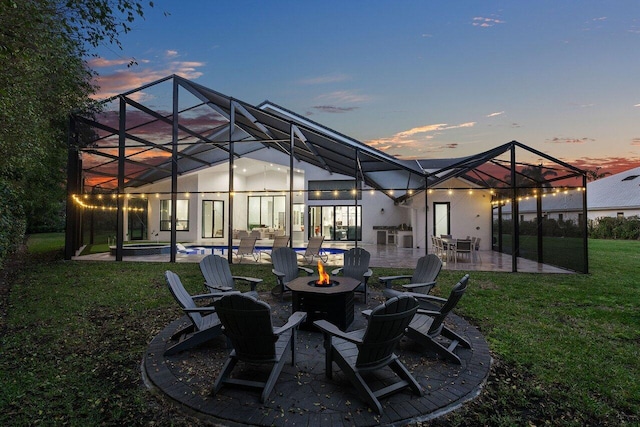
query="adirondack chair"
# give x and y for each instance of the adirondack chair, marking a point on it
(356, 265)
(427, 326)
(247, 324)
(278, 242)
(285, 268)
(371, 349)
(205, 324)
(246, 247)
(423, 278)
(314, 249)
(218, 277)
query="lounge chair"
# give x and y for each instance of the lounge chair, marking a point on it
(356, 265)
(360, 352)
(314, 249)
(205, 324)
(217, 275)
(247, 323)
(427, 326)
(285, 268)
(278, 242)
(247, 247)
(423, 278)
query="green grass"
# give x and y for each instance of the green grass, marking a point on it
(565, 346)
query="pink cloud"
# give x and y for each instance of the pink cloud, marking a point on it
(125, 79)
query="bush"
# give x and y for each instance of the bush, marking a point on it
(615, 228)
(12, 220)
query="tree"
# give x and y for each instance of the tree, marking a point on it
(44, 76)
(595, 174)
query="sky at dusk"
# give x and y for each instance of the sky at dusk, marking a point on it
(416, 79)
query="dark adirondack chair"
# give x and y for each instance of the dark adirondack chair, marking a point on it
(314, 250)
(356, 265)
(218, 277)
(423, 278)
(247, 247)
(285, 268)
(205, 324)
(247, 324)
(428, 328)
(372, 349)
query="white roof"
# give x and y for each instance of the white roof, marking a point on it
(621, 190)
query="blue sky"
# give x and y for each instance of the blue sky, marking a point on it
(417, 79)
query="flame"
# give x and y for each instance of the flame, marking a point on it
(324, 277)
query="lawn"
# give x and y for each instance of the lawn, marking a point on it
(565, 347)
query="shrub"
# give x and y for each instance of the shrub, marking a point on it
(12, 220)
(615, 228)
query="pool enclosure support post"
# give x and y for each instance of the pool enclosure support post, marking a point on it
(122, 139)
(355, 195)
(515, 228)
(426, 215)
(174, 173)
(232, 121)
(585, 231)
(539, 223)
(292, 130)
(74, 167)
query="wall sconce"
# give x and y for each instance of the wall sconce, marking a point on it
(382, 211)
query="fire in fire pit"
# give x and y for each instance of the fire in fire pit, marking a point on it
(324, 279)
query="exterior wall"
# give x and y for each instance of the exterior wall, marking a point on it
(470, 214)
(595, 214)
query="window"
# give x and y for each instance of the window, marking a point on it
(266, 211)
(333, 190)
(212, 218)
(620, 214)
(336, 222)
(182, 215)
(560, 217)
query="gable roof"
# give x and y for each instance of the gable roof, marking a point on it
(621, 190)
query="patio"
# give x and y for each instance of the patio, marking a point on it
(303, 395)
(381, 256)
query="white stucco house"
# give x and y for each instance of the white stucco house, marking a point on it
(615, 195)
(204, 167)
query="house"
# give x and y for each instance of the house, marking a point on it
(615, 195)
(204, 168)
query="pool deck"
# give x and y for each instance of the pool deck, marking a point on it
(381, 256)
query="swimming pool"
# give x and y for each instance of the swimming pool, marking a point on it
(222, 250)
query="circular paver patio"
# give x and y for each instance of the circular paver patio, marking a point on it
(303, 395)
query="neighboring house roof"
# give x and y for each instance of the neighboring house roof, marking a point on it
(618, 191)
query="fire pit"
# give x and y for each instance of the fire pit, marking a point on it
(331, 300)
(317, 284)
